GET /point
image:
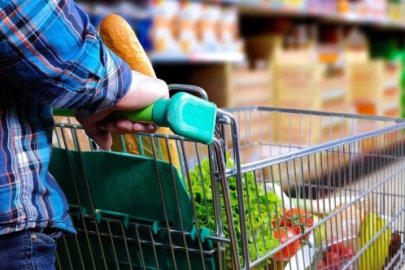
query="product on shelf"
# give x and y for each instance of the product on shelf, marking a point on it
(194, 28)
(188, 17)
(165, 26)
(363, 10)
(297, 5)
(394, 12)
(375, 82)
(228, 30)
(343, 6)
(324, 7)
(207, 30)
(375, 10)
(375, 87)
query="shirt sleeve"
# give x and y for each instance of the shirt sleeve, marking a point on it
(49, 49)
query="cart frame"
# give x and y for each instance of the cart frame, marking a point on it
(231, 138)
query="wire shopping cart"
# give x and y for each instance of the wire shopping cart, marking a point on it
(226, 206)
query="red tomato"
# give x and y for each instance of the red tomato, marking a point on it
(296, 229)
(276, 222)
(297, 216)
(322, 265)
(342, 251)
(283, 235)
(336, 247)
(333, 259)
(278, 219)
(347, 253)
(298, 220)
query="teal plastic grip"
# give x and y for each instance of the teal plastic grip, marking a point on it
(160, 112)
(185, 114)
(191, 117)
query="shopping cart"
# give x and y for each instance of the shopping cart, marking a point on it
(221, 208)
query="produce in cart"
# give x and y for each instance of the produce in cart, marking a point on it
(373, 258)
(326, 233)
(261, 206)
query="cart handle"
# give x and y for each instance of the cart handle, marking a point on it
(185, 114)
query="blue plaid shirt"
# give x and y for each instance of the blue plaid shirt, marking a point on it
(50, 56)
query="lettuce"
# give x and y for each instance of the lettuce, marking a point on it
(260, 208)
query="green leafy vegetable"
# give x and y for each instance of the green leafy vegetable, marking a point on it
(260, 208)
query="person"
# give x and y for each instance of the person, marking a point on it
(51, 56)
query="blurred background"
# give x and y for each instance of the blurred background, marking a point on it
(328, 55)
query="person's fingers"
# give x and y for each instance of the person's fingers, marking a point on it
(123, 126)
(143, 91)
(144, 127)
(102, 138)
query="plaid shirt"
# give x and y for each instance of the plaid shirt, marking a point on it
(50, 56)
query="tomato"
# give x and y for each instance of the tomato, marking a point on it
(298, 220)
(347, 253)
(333, 259)
(276, 222)
(278, 219)
(283, 235)
(297, 216)
(336, 247)
(296, 229)
(322, 265)
(342, 251)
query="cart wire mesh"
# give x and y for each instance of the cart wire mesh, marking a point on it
(221, 207)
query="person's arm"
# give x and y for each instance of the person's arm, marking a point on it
(50, 50)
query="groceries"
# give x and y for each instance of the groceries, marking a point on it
(260, 208)
(335, 257)
(298, 238)
(375, 255)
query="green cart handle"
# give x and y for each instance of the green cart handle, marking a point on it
(63, 112)
(185, 114)
(141, 115)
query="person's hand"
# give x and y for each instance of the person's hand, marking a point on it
(143, 92)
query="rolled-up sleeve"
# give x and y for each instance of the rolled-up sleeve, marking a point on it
(50, 50)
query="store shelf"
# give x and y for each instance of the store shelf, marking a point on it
(267, 9)
(219, 57)
(349, 19)
(221, 1)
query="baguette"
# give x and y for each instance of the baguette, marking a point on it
(119, 37)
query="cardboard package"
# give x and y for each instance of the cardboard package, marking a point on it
(375, 87)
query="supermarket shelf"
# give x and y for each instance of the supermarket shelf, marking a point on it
(350, 19)
(221, 1)
(355, 20)
(267, 9)
(219, 57)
